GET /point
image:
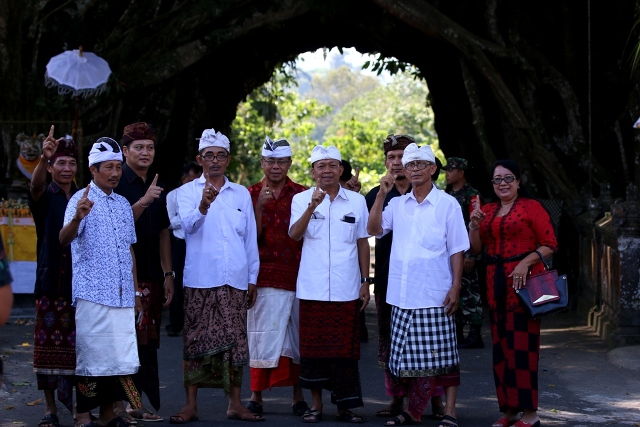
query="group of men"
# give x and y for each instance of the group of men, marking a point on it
(283, 290)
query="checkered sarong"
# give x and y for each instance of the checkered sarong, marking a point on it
(423, 343)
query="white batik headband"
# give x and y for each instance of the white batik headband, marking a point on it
(322, 153)
(211, 138)
(413, 152)
(103, 150)
(278, 149)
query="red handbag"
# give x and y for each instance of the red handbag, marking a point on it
(545, 293)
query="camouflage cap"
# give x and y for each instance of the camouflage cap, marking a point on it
(456, 163)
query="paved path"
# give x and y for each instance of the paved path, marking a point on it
(581, 382)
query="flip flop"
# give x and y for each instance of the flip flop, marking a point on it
(126, 417)
(182, 417)
(50, 419)
(448, 421)
(349, 417)
(255, 407)
(299, 408)
(402, 419)
(246, 416)
(312, 416)
(143, 414)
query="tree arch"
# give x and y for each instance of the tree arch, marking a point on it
(506, 79)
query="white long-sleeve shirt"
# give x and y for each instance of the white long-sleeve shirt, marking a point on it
(222, 246)
(174, 214)
(425, 235)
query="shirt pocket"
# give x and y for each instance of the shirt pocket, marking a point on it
(314, 229)
(238, 221)
(433, 238)
(348, 231)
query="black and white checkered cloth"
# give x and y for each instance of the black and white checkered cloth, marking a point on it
(423, 342)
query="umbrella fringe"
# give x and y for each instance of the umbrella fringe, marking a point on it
(64, 89)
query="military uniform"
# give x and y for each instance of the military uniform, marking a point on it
(470, 309)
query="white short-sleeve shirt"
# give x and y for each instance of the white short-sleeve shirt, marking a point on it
(100, 253)
(329, 267)
(425, 235)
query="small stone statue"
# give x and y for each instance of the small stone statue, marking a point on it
(30, 151)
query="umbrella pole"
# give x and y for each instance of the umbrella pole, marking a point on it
(74, 130)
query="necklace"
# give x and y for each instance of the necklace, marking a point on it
(509, 205)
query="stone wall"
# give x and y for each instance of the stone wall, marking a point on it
(609, 283)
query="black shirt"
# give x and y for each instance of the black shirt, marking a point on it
(53, 273)
(383, 245)
(152, 221)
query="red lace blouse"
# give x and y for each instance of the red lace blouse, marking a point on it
(524, 229)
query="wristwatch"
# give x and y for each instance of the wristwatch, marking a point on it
(170, 273)
(369, 280)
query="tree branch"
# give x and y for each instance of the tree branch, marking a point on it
(477, 115)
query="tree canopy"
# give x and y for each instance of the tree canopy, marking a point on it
(358, 115)
(547, 83)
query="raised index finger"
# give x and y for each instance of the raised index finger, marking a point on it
(155, 180)
(51, 131)
(357, 173)
(86, 191)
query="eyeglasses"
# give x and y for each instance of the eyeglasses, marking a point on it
(323, 166)
(508, 179)
(412, 166)
(220, 156)
(280, 162)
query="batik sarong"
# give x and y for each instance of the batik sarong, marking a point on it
(147, 379)
(215, 337)
(54, 347)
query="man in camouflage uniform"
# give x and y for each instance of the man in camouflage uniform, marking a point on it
(470, 311)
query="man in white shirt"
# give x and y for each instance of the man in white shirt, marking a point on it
(332, 285)
(220, 273)
(192, 170)
(425, 273)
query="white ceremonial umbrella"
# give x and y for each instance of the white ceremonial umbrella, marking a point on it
(78, 73)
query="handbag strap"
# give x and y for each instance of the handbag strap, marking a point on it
(546, 266)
